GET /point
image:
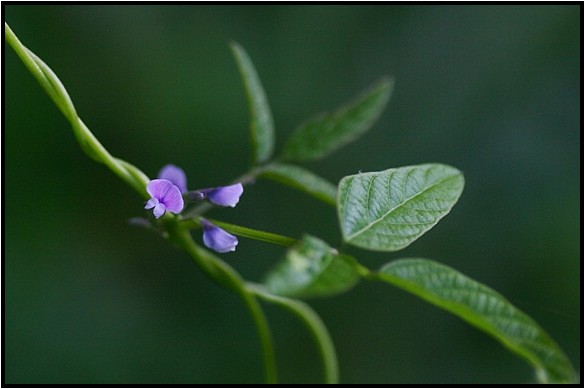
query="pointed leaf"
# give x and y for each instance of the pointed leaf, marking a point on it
(261, 123)
(388, 210)
(483, 308)
(312, 269)
(326, 133)
(302, 179)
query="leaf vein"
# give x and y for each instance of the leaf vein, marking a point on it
(386, 214)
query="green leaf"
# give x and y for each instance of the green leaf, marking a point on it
(303, 180)
(388, 210)
(312, 269)
(326, 133)
(483, 308)
(261, 123)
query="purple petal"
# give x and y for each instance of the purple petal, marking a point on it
(174, 174)
(159, 210)
(217, 239)
(166, 194)
(226, 196)
(173, 200)
(158, 188)
(151, 203)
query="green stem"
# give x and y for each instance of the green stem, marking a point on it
(226, 276)
(245, 232)
(315, 326)
(88, 142)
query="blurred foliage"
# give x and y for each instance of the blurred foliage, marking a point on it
(492, 90)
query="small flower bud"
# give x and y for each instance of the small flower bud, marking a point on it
(139, 222)
(217, 239)
(224, 196)
(195, 195)
(174, 174)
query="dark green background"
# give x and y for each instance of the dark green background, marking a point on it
(492, 90)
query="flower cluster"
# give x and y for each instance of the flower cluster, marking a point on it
(168, 191)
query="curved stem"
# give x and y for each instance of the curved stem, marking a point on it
(226, 276)
(214, 267)
(315, 325)
(88, 142)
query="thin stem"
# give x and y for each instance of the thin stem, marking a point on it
(88, 142)
(245, 232)
(263, 236)
(315, 326)
(226, 276)
(29, 61)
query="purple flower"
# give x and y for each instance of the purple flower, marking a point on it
(225, 196)
(168, 189)
(174, 174)
(217, 239)
(165, 196)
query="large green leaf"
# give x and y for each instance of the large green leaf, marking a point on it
(312, 269)
(388, 210)
(326, 133)
(302, 179)
(483, 308)
(261, 123)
